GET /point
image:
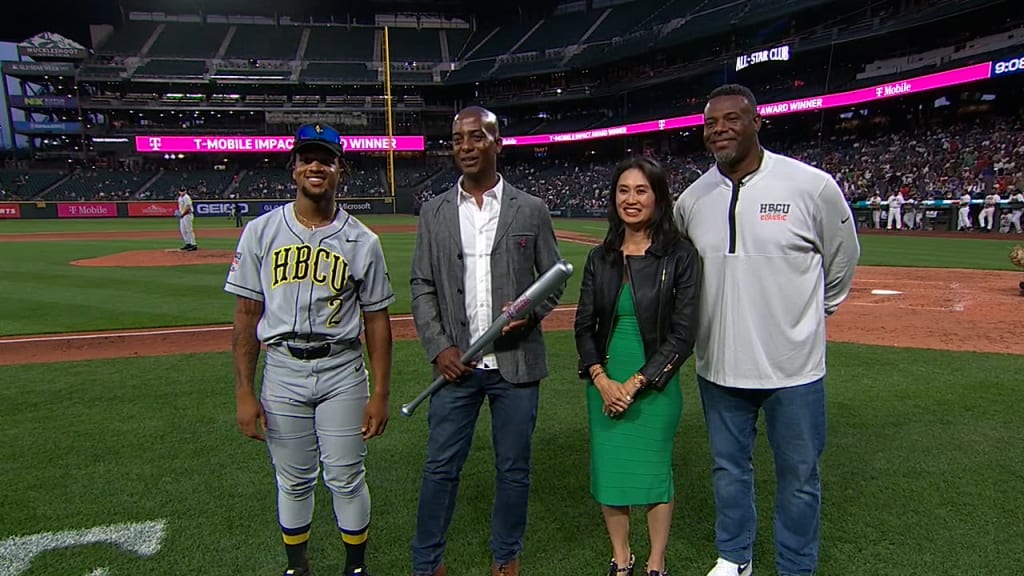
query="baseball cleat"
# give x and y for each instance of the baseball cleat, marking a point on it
(297, 572)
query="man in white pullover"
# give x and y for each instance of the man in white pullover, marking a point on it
(779, 248)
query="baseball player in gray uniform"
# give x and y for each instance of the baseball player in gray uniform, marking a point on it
(185, 216)
(309, 277)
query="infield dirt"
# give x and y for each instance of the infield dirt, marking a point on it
(943, 309)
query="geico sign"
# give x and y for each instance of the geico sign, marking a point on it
(218, 209)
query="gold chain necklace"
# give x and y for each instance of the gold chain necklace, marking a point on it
(309, 223)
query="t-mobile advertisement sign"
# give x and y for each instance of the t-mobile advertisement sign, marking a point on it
(882, 91)
(267, 144)
(87, 210)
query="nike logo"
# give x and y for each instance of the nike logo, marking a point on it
(844, 220)
(743, 567)
(351, 240)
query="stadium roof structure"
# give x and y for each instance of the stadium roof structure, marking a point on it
(301, 45)
(489, 11)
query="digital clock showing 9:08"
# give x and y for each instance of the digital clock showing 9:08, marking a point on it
(1010, 66)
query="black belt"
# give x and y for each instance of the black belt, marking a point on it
(322, 350)
(310, 353)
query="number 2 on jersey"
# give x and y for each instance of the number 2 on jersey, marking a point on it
(334, 303)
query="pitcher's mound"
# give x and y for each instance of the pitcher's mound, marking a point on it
(139, 258)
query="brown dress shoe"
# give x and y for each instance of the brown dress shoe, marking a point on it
(441, 571)
(508, 569)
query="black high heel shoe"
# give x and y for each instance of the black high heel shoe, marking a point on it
(614, 570)
(656, 573)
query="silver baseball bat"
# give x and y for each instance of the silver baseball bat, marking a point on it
(520, 307)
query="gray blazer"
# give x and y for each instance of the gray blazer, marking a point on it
(524, 248)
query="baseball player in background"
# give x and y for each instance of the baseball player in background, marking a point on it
(876, 210)
(185, 216)
(988, 212)
(304, 274)
(909, 212)
(1016, 208)
(963, 222)
(895, 210)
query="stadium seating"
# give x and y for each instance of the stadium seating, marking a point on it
(409, 44)
(255, 74)
(622, 20)
(470, 71)
(24, 185)
(178, 40)
(458, 42)
(528, 66)
(501, 41)
(559, 31)
(198, 183)
(523, 126)
(707, 20)
(99, 185)
(266, 184)
(341, 44)
(270, 42)
(411, 77)
(168, 67)
(129, 40)
(337, 72)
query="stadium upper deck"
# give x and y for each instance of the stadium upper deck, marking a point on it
(303, 52)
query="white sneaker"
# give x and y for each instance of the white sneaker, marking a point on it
(725, 568)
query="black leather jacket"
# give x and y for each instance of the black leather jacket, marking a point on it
(666, 290)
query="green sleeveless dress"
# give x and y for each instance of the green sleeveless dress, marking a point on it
(631, 454)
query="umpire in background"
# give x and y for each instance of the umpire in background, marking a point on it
(479, 245)
(236, 209)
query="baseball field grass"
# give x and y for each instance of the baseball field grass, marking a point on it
(921, 475)
(44, 293)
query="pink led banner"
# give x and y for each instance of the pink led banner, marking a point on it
(879, 92)
(266, 144)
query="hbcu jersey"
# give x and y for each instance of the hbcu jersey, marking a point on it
(313, 283)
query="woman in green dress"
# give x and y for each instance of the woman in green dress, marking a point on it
(635, 325)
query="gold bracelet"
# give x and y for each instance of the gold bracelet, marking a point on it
(594, 373)
(640, 379)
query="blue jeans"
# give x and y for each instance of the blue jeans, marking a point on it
(795, 422)
(452, 421)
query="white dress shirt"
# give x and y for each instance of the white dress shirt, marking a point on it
(478, 225)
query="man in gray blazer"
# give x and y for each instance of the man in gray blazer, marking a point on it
(479, 246)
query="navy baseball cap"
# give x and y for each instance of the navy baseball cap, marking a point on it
(318, 134)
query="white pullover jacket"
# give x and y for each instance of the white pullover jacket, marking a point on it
(779, 251)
